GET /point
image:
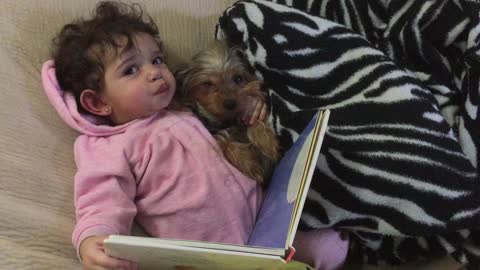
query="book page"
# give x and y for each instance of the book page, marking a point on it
(175, 257)
(316, 138)
(162, 242)
(277, 215)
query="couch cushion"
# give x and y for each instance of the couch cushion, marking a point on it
(36, 159)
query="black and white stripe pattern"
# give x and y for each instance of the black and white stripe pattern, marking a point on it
(437, 40)
(398, 165)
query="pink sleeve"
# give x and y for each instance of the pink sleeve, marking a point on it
(104, 190)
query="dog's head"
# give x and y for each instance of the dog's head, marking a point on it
(217, 84)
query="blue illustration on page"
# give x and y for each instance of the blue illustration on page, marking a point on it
(273, 221)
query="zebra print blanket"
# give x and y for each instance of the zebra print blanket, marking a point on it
(399, 165)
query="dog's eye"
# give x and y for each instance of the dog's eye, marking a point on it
(238, 79)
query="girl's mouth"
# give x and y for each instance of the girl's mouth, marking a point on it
(162, 89)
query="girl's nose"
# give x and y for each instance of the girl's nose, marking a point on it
(154, 73)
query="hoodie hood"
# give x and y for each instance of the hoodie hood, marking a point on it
(66, 106)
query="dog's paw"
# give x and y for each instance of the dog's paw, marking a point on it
(242, 156)
(265, 140)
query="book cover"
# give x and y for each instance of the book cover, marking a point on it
(270, 243)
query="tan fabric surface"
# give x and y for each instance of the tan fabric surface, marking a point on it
(36, 159)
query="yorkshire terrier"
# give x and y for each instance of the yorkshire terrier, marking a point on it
(217, 85)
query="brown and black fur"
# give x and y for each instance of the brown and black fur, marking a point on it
(215, 85)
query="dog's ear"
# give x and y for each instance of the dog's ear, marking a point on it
(181, 73)
(181, 76)
(240, 54)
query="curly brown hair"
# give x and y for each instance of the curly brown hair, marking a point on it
(79, 49)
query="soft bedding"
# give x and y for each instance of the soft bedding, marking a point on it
(399, 165)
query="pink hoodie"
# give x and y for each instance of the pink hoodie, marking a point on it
(164, 170)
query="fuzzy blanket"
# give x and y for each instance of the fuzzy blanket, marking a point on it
(399, 165)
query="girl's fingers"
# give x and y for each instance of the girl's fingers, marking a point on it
(256, 113)
(108, 262)
(254, 109)
(260, 113)
(263, 113)
(248, 111)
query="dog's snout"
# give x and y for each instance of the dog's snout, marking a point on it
(229, 104)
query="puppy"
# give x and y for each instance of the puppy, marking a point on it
(218, 86)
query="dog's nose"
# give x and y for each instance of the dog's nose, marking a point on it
(229, 104)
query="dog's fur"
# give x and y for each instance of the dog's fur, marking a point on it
(216, 85)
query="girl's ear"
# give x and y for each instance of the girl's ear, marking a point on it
(93, 103)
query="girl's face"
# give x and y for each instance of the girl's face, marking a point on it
(138, 83)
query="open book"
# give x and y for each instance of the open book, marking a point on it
(270, 244)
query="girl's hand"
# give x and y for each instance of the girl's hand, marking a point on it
(94, 257)
(255, 109)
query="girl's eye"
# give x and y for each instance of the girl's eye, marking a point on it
(207, 84)
(130, 70)
(157, 60)
(238, 79)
